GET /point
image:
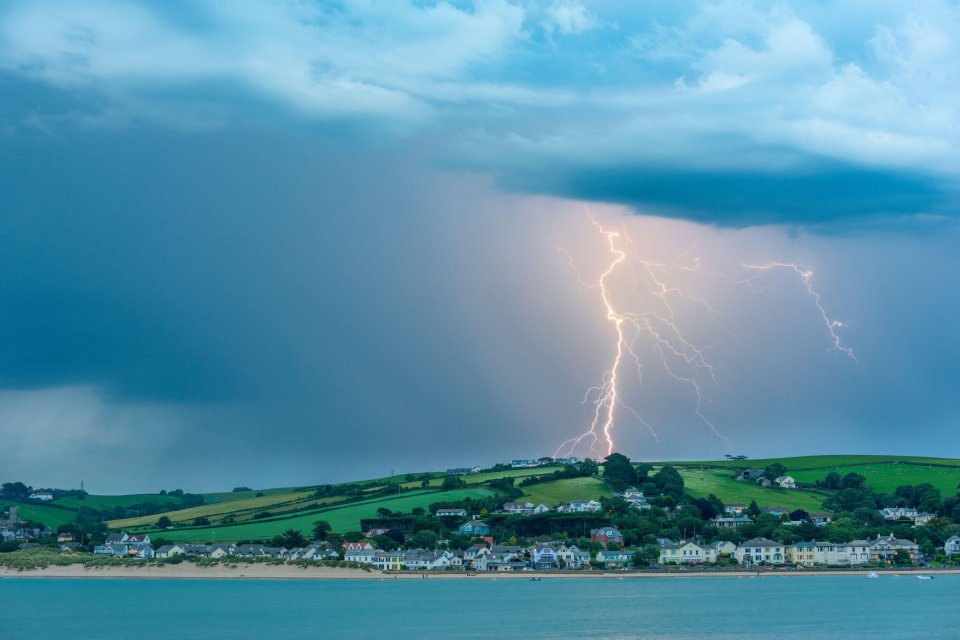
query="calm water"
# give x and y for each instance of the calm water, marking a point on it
(717, 608)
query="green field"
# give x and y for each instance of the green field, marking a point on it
(888, 476)
(109, 502)
(49, 515)
(555, 492)
(722, 484)
(342, 518)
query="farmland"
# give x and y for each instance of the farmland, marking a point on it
(341, 518)
(722, 484)
(558, 491)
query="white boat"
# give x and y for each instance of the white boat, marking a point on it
(924, 577)
(873, 575)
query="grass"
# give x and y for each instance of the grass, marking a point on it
(242, 509)
(49, 515)
(888, 476)
(722, 484)
(555, 492)
(109, 502)
(831, 462)
(341, 518)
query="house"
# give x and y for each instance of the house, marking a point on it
(360, 555)
(735, 509)
(351, 546)
(45, 496)
(808, 554)
(786, 482)
(570, 460)
(724, 547)
(923, 518)
(899, 513)
(64, 537)
(952, 546)
(198, 550)
(760, 551)
(750, 474)
(542, 508)
(451, 513)
(730, 522)
(169, 551)
(606, 536)
(146, 553)
(884, 549)
(522, 508)
(820, 519)
(524, 464)
(635, 498)
(474, 528)
(572, 556)
(584, 506)
(777, 512)
(687, 553)
(545, 558)
(221, 550)
(615, 559)
(764, 482)
(462, 471)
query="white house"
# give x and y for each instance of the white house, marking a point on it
(542, 508)
(41, 495)
(952, 546)
(584, 506)
(724, 547)
(572, 556)
(899, 513)
(785, 482)
(735, 509)
(761, 551)
(522, 508)
(687, 553)
(451, 513)
(169, 551)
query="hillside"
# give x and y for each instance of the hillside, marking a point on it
(263, 513)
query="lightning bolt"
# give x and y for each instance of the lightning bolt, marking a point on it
(667, 343)
(806, 276)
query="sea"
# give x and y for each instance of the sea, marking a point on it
(841, 607)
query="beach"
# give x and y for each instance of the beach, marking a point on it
(262, 571)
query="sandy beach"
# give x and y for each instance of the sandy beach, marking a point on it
(186, 571)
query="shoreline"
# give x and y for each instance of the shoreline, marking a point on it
(288, 572)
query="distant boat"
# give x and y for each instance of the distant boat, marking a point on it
(924, 577)
(873, 574)
(535, 579)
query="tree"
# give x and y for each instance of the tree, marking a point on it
(589, 467)
(670, 482)
(452, 482)
(832, 481)
(164, 523)
(292, 538)
(201, 521)
(774, 471)
(425, 539)
(15, 491)
(239, 489)
(383, 512)
(618, 472)
(901, 558)
(753, 509)
(321, 528)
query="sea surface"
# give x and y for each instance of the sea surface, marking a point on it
(892, 608)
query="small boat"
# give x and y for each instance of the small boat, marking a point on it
(873, 575)
(924, 577)
(535, 579)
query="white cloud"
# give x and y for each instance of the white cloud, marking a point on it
(569, 18)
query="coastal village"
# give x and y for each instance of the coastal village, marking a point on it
(601, 533)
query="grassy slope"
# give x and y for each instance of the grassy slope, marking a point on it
(241, 509)
(721, 484)
(109, 502)
(342, 518)
(557, 491)
(47, 514)
(883, 473)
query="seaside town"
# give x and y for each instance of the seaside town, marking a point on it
(650, 523)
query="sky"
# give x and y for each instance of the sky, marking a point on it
(286, 243)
